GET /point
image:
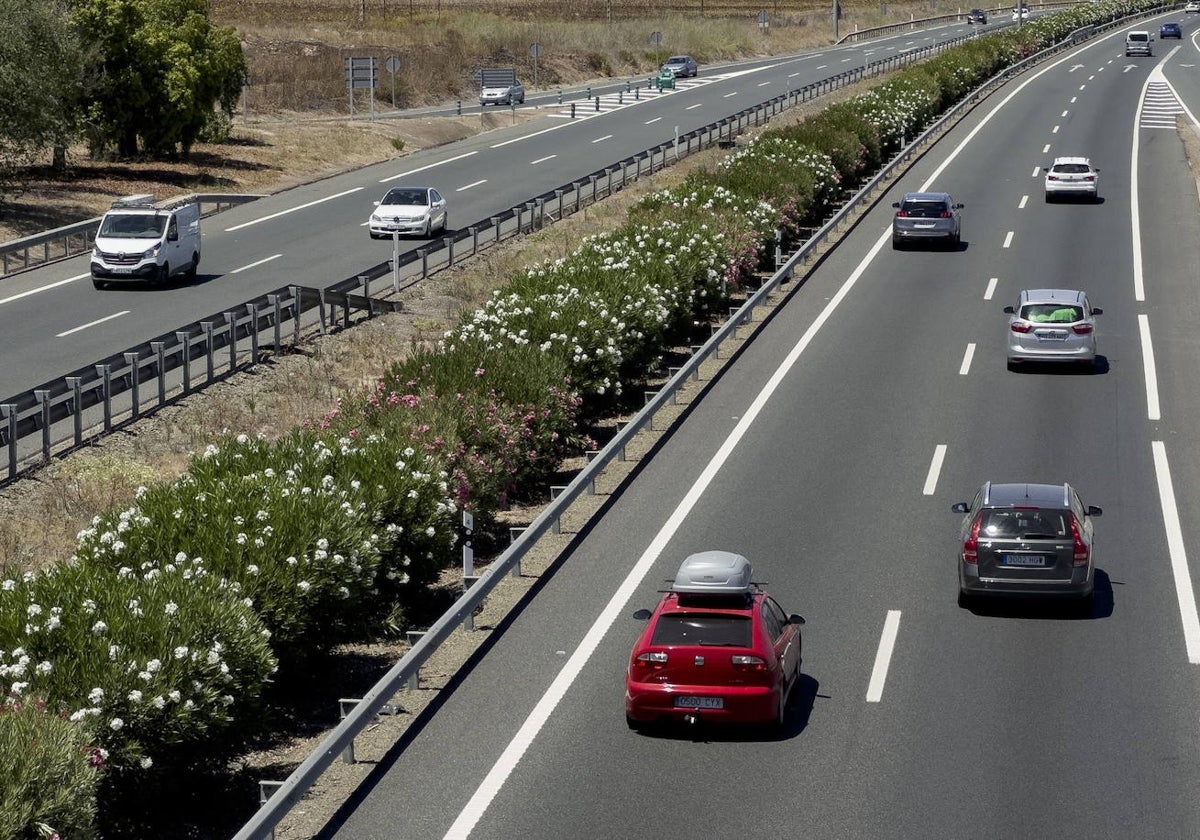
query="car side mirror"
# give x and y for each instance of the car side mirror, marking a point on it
(1010, 310)
(795, 619)
(961, 507)
(376, 203)
(895, 203)
(642, 615)
(1097, 311)
(1092, 510)
(959, 206)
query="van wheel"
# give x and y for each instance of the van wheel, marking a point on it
(164, 274)
(190, 276)
(99, 284)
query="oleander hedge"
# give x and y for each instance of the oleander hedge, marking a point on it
(149, 654)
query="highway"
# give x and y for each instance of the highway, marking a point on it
(52, 321)
(830, 453)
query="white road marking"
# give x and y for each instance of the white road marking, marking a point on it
(1091, 77)
(726, 96)
(511, 756)
(1153, 412)
(92, 323)
(1045, 150)
(822, 67)
(430, 166)
(844, 60)
(690, 107)
(883, 656)
(1135, 211)
(1064, 113)
(935, 469)
(1038, 169)
(763, 84)
(1054, 130)
(991, 288)
(605, 137)
(292, 209)
(1179, 564)
(466, 187)
(1023, 202)
(965, 367)
(1073, 98)
(260, 262)
(542, 160)
(1007, 239)
(45, 288)
(793, 75)
(656, 119)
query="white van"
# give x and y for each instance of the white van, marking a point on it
(1137, 42)
(143, 242)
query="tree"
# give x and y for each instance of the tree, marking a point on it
(39, 82)
(159, 70)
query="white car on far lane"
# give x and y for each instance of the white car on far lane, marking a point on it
(1192, 8)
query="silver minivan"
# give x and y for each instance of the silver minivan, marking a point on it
(927, 217)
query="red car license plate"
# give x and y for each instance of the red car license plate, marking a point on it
(687, 702)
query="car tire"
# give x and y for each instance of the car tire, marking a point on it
(98, 283)
(780, 721)
(955, 241)
(965, 600)
(897, 245)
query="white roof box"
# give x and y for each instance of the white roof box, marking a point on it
(715, 573)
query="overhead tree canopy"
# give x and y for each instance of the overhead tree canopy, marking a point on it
(39, 81)
(158, 71)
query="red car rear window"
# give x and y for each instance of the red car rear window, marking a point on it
(703, 629)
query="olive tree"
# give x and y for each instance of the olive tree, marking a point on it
(157, 72)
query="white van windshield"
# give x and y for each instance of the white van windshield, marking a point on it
(133, 226)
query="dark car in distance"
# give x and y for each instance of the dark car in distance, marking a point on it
(977, 16)
(1170, 30)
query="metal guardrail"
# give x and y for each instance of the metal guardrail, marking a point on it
(921, 23)
(73, 410)
(72, 240)
(288, 793)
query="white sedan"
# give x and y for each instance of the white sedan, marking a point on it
(408, 211)
(1192, 7)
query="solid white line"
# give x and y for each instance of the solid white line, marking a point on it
(690, 107)
(1008, 239)
(935, 469)
(883, 656)
(1023, 202)
(656, 119)
(472, 184)
(45, 288)
(260, 262)
(965, 367)
(292, 210)
(542, 160)
(1179, 565)
(605, 137)
(1148, 369)
(92, 323)
(509, 758)
(430, 166)
(991, 288)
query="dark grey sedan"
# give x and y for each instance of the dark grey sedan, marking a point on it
(927, 217)
(1026, 540)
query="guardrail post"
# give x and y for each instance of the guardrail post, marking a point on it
(75, 383)
(448, 241)
(295, 292)
(538, 216)
(468, 582)
(207, 326)
(135, 372)
(10, 414)
(474, 239)
(424, 252)
(496, 225)
(253, 307)
(559, 195)
(231, 319)
(185, 359)
(159, 347)
(414, 679)
(43, 398)
(273, 300)
(320, 310)
(265, 789)
(105, 372)
(348, 753)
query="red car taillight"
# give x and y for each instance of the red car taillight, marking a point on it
(748, 663)
(1082, 329)
(970, 549)
(653, 661)
(901, 213)
(1089, 177)
(1081, 553)
(946, 214)
(1053, 178)
(1020, 326)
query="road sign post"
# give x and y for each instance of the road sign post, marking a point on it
(362, 73)
(535, 50)
(656, 40)
(392, 65)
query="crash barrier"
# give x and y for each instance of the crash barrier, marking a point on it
(65, 242)
(62, 415)
(340, 742)
(886, 29)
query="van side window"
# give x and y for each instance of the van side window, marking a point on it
(173, 229)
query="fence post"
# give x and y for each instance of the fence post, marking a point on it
(158, 347)
(231, 319)
(207, 326)
(10, 414)
(185, 359)
(43, 398)
(105, 372)
(295, 290)
(135, 371)
(76, 407)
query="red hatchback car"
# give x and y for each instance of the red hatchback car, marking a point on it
(718, 648)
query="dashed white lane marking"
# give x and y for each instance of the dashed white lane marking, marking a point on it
(260, 262)
(429, 166)
(1008, 238)
(656, 119)
(1045, 150)
(692, 107)
(466, 187)
(1153, 411)
(45, 288)
(605, 137)
(294, 209)
(542, 160)
(1179, 565)
(991, 288)
(1023, 202)
(965, 367)
(92, 323)
(935, 469)
(883, 656)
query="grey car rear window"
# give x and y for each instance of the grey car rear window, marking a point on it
(713, 629)
(1052, 313)
(1018, 524)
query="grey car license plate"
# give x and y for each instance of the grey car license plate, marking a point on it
(1055, 335)
(1038, 560)
(689, 702)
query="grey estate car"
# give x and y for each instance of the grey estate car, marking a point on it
(1026, 540)
(928, 216)
(1052, 325)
